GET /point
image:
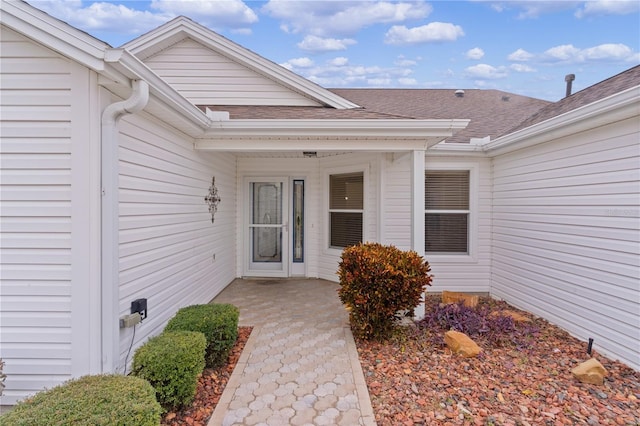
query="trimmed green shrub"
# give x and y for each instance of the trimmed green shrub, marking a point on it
(376, 282)
(219, 324)
(90, 401)
(172, 363)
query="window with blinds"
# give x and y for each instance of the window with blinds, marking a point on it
(346, 208)
(447, 211)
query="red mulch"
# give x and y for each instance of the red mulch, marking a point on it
(210, 387)
(414, 381)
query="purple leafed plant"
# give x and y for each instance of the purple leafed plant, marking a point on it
(477, 323)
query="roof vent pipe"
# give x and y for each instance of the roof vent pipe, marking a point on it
(569, 79)
(459, 93)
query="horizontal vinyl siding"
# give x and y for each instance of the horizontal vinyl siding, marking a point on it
(35, 246)
(396, 206)
(566, 235)
(167, 241)
(307, 168)
(206, 78)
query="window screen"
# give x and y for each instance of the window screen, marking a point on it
(447, 211)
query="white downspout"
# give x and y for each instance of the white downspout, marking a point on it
(110, 219)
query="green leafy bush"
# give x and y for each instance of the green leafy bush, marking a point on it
(172, 362)
(90, 401)
(219, 324)
(376, 282)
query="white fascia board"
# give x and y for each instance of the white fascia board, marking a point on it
(240, 54)
(379, 128)
(328, 135)
(444, 148)
(126, 63)
(53, 33)
(158, 38)
(317, 144)
(616, 107)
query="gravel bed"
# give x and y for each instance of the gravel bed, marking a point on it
(414, 379)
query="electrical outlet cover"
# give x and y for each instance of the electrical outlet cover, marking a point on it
(139, 306)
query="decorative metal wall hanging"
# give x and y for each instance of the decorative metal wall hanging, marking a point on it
(212, 199)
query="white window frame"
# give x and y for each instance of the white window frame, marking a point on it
(472, 221)
(360, 168)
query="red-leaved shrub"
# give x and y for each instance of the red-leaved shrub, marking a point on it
(376, 282)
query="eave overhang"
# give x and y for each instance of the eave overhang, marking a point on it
(326, 135)
(622, 105)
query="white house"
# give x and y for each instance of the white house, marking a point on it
(109, 153)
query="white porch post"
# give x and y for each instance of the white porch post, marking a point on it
(417, 210)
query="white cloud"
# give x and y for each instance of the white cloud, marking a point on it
(102, 16)
(406, 81)
(341, 18)
(432, 32)
(242, 31)
(603, 52)
(298, 63)
(535, 8)
(338, 72)
(312, 43)
(379, 82)
(118, 18)
(228, 13)
(404, 62)
(521, 68)
(565, 52)
(520, 55)
(475, 53)
(608, 7)
(486, 72)
(532, 8)
(340, 61)
(607, 52)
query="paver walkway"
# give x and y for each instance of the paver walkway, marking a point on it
(300, 365)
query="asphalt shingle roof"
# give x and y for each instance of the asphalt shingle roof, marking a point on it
(492, 112)
(625, 80)
(239, 112)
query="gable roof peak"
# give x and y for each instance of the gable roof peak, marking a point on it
(182, 27)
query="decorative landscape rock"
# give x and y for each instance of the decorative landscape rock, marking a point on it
(509, 313)
(590, 371)
(461, 343)
(455, 297)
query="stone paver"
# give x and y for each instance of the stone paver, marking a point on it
(300, 365)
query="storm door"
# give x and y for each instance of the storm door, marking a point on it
(266, 237)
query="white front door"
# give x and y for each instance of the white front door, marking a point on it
(266, 227)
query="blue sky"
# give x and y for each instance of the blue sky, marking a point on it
(524, 47)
